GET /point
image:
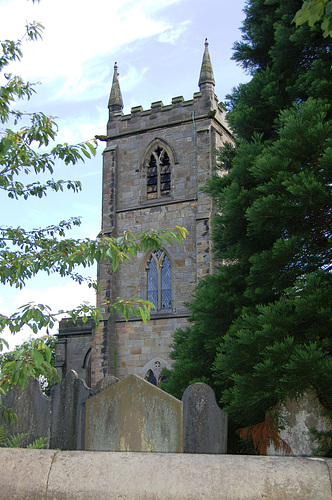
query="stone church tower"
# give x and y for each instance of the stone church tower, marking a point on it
(154, 164)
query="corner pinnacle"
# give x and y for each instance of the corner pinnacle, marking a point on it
(206, 75)
(115, 102)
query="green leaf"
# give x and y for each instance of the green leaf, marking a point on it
(37, 357)
(48, 354)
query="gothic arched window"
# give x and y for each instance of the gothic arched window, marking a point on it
(159, 280)
(153, 371)
(155, 375)
(158, 174)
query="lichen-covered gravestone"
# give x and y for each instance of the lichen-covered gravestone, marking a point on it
(133, 415)
(204, 423)
(296, 418)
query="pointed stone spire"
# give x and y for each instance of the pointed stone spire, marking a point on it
(115, 102)
(206, 75)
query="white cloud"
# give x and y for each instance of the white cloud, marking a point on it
(172, 35)
(84, 86)
(132, 77)
(78, 129)
(82, 32)
(57, 297)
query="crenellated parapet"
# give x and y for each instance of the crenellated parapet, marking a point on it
(160, 115)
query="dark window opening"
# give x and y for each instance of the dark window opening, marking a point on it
(158, 175)
(155, 375)
(150, 377)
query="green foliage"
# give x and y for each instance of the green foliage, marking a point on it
(288, 65)
(313, 11)
(25, 253)
(278, 350)
(33, 358)
(40, 250)
(38, 444)
(8, 414)
(324, 441)
(194, 348)
(16, 440)
(261, 325)
(10, 441)
(18, 155)
(38, 355)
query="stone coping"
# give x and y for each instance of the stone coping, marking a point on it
(51, 474)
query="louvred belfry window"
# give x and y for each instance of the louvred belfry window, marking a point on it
(159, 278)
(158, 175)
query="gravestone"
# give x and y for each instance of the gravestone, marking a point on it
(204, 423)
(68, 398)
(133, 415)
(297, 417)
(33, 410)
(103, 384)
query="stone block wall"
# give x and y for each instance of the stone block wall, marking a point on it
(73, 348)
(139, 343)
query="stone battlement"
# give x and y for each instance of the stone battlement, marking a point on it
(176, 101)
(203, 105)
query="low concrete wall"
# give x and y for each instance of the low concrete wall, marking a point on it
(49, 474)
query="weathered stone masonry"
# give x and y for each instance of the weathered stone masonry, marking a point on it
(154, 164)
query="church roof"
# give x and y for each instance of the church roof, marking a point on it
(115, 101)
(206, 75)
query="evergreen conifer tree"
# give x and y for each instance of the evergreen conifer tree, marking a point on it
(261, 325)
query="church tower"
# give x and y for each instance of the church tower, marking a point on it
(154, 164)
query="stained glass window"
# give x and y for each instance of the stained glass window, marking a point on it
(166, 295)
(153, 283)
(159, 280)
(158, 175)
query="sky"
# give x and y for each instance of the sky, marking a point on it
(158, 46)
